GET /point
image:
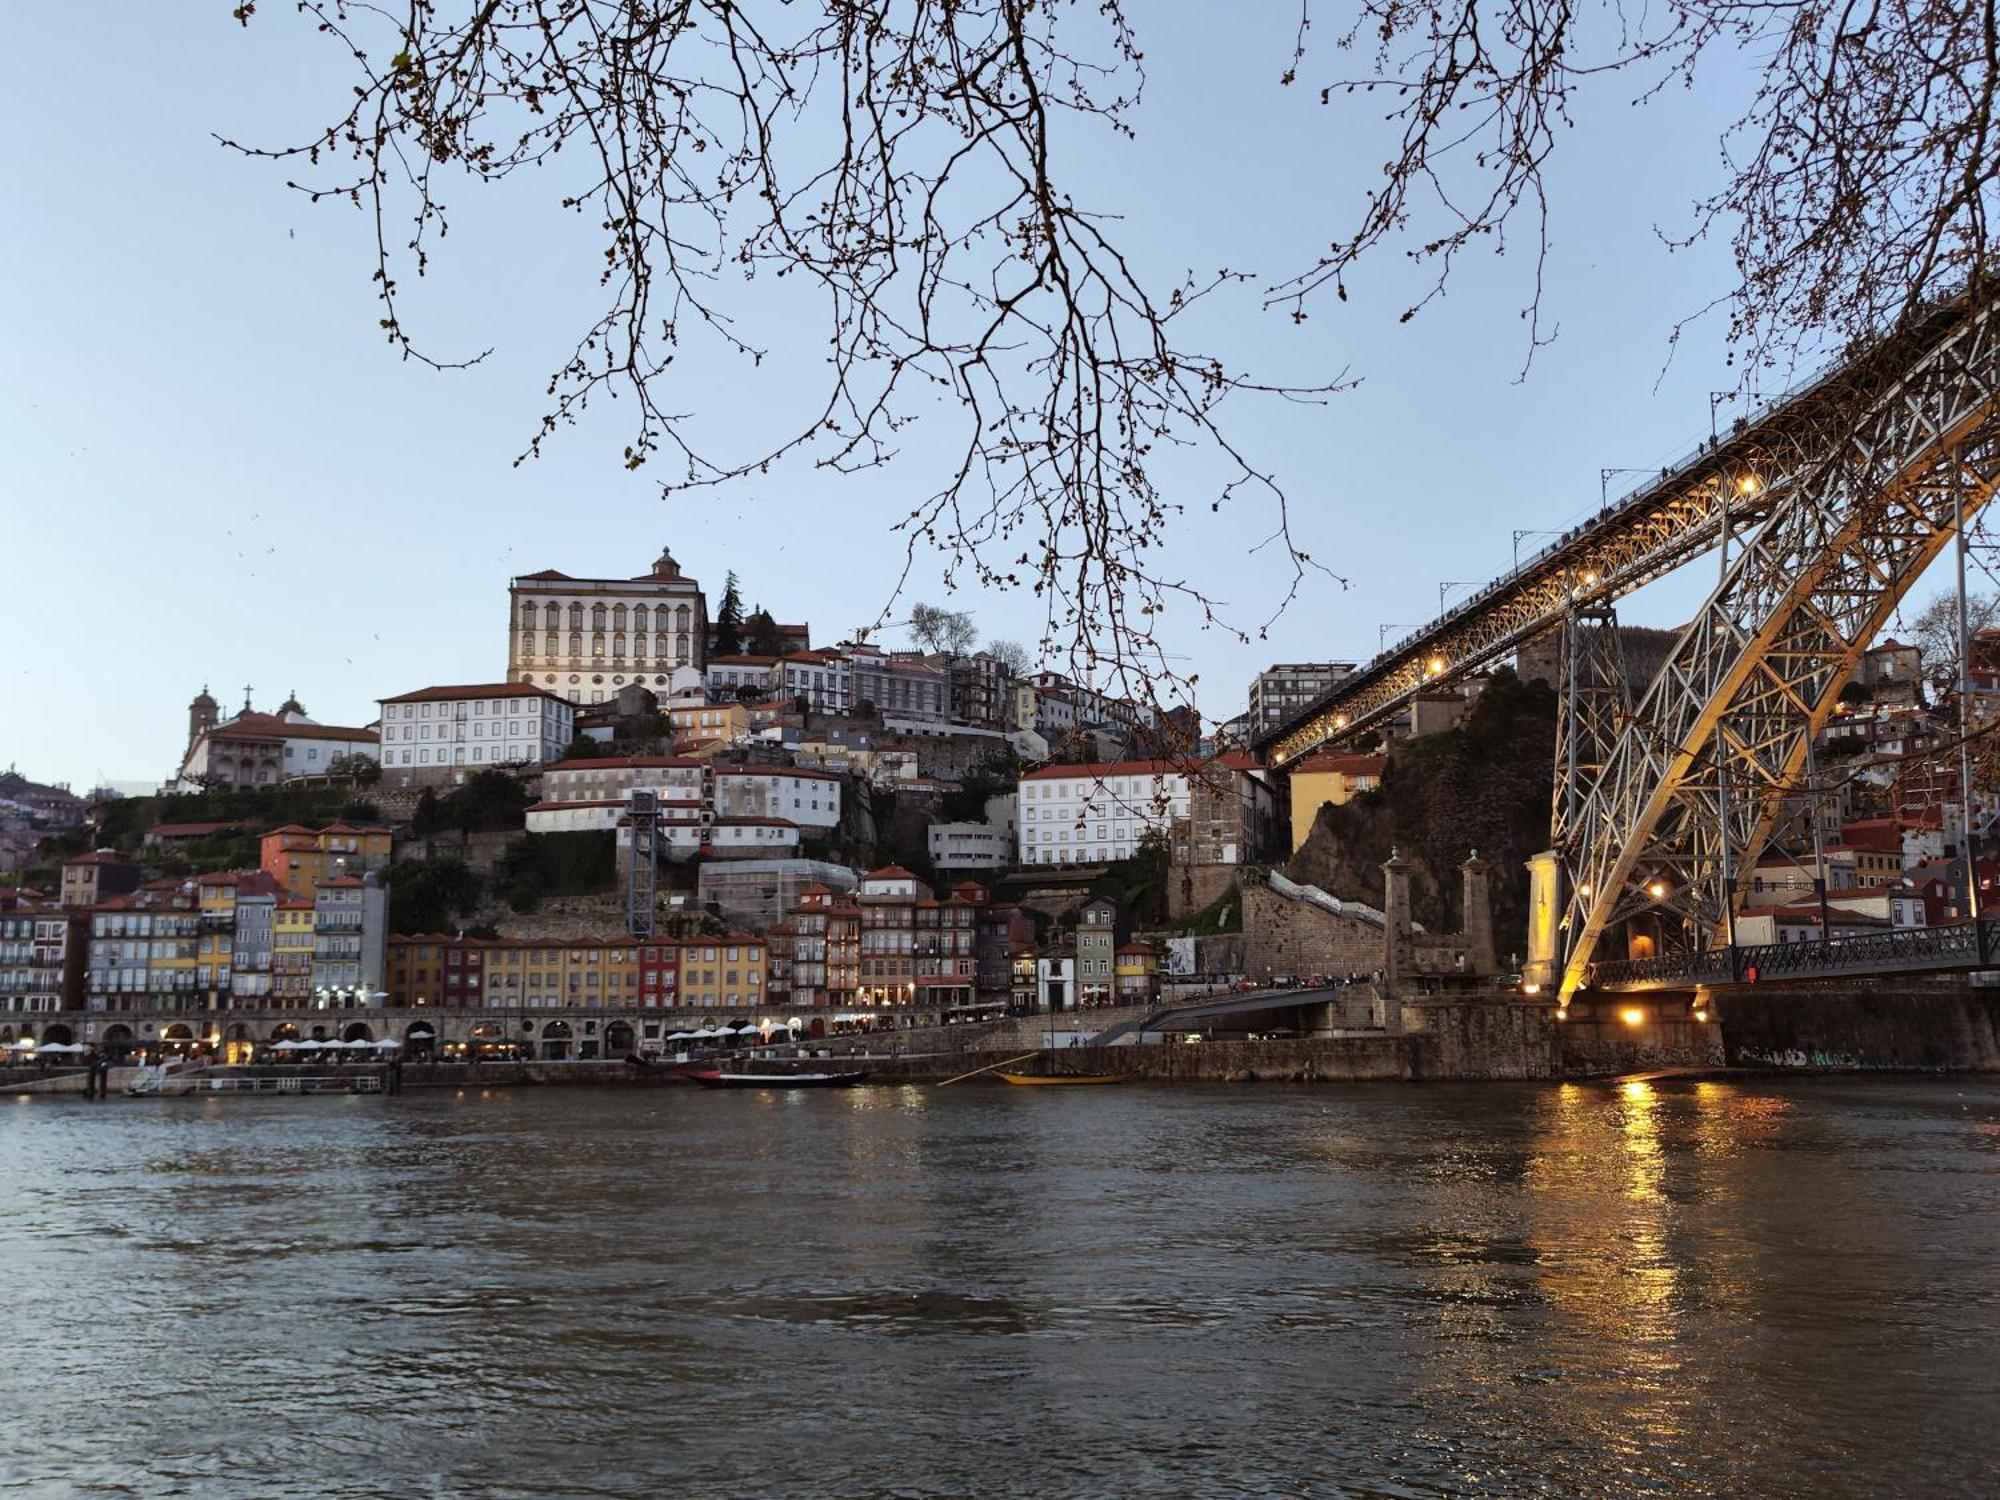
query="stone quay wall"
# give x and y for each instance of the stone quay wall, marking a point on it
(1910, 1025)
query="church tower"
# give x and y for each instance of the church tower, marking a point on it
(201, 716)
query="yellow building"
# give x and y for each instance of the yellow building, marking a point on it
(216, 947)
(697, 723)
(1334, 778)
(292, 953)
(174, 965)
(725, 973)
(1138, 974)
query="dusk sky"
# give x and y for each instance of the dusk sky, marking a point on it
(214, 470)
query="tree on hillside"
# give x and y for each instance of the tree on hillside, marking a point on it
(1012, 655)
(935, 628)
(362, 770)
(489, 801)
(1934, 632)
(912, 168)
(428, 817)
(430, 895)
(765, 639)
(729, 619)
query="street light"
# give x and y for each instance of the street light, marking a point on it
(1520, 535)
(1456, 583)
(1604, 484)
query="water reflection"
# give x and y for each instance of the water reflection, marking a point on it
(1644, 1289)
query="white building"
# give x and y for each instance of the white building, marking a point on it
(259, 749)
(586, 638)
(1074, 815)
(810, 799)
(725, 677)
(753, 838)
(441, 733)
(825, 679)
(1284, 690)
(593, 795)
(986, 845)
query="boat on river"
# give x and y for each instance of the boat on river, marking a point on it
(715, 1078)
(1036, 1080)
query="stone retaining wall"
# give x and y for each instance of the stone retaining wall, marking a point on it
(1905, 1026)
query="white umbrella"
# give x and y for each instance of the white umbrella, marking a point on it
(288, 1045)
(679, 1036)
(388, 1041)
(311, 1044)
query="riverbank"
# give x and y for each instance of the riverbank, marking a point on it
(1909, 1027)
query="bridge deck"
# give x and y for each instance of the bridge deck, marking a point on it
(1644, 536)
(1962, 947)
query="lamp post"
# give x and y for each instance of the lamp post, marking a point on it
(1455, 583)
(1522, 534)
(1604, 477)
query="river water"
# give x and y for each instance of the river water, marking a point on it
(1686, 1288)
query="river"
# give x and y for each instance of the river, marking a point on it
(1729, 1288)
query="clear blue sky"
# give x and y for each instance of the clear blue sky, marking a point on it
(213, 470)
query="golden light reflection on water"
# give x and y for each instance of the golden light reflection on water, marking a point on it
(1604, 1224)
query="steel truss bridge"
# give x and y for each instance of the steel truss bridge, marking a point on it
(1827, 505)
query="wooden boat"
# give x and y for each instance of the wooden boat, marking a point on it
(715, 1078)
(1029, 1080)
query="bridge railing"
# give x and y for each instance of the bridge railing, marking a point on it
(1963, 945)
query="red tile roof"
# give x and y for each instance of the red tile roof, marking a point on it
(1102, 769)
(625, 762)
(891, 872)
(547, 575)
(463, 691)
(1341, 763)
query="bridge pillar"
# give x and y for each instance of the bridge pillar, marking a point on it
(1395, 937)
(1545, 906)
(1478, 920)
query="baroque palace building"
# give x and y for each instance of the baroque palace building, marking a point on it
(585, 639)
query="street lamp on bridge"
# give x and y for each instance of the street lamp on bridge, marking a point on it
(1520, 535)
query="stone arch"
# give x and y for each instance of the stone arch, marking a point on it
(180, 1031)
(618, 1039)
(239, 1033)
(55, 1031)
(357, 1031)
(284, 1031)
(556, 1041)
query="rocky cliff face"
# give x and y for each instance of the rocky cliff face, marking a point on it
(1485, 786)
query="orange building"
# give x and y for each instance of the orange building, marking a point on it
(299, 858)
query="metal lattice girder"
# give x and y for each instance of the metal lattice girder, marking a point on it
(1628, 546)
(1597, 703)
(1700, 776)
